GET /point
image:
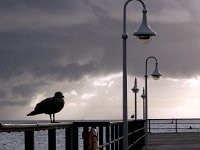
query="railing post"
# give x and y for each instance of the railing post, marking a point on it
(131, 137)
(68, 138)
(120, 135)
(149, 125)
(139, 134)
(176, 126)
(143, 133)
(101, 136)
(117, 136)
(75, 138)
(107, 137)
(52, 139)
(112, 137)
(85, 136)
(29, 140)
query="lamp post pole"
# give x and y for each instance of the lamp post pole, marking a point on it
(135, 90)
(156, 75)
(144, 33)
(143, 98)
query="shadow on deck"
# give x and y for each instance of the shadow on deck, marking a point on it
(173, 141)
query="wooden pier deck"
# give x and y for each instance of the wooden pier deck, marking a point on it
(173, 141)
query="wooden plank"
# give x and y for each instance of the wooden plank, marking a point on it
(173, 141)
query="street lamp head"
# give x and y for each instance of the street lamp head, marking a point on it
(156, 74)
(143, 94)
(144, 34)
(135, 88)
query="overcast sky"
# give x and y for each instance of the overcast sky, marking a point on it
(75, 46)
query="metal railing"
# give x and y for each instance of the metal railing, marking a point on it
(109, 134)
(174, 125)
(29, 129)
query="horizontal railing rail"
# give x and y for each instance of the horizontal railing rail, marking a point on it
(174, 125)
(32, 126)
(110, 136)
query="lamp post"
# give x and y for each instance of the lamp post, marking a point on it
(144, 33)
(135, 90)
(143, 97)
(156, 76)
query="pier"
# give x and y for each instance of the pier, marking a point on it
(173, 134)
(173, 141)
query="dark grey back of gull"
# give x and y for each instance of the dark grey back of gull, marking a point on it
(49, 106)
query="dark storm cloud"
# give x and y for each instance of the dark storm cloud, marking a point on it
(67, 40)
(26, 90)
(49, 41)
(9, 102)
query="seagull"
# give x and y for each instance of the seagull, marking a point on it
(49, 106)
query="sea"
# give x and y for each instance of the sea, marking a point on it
(174, 125)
